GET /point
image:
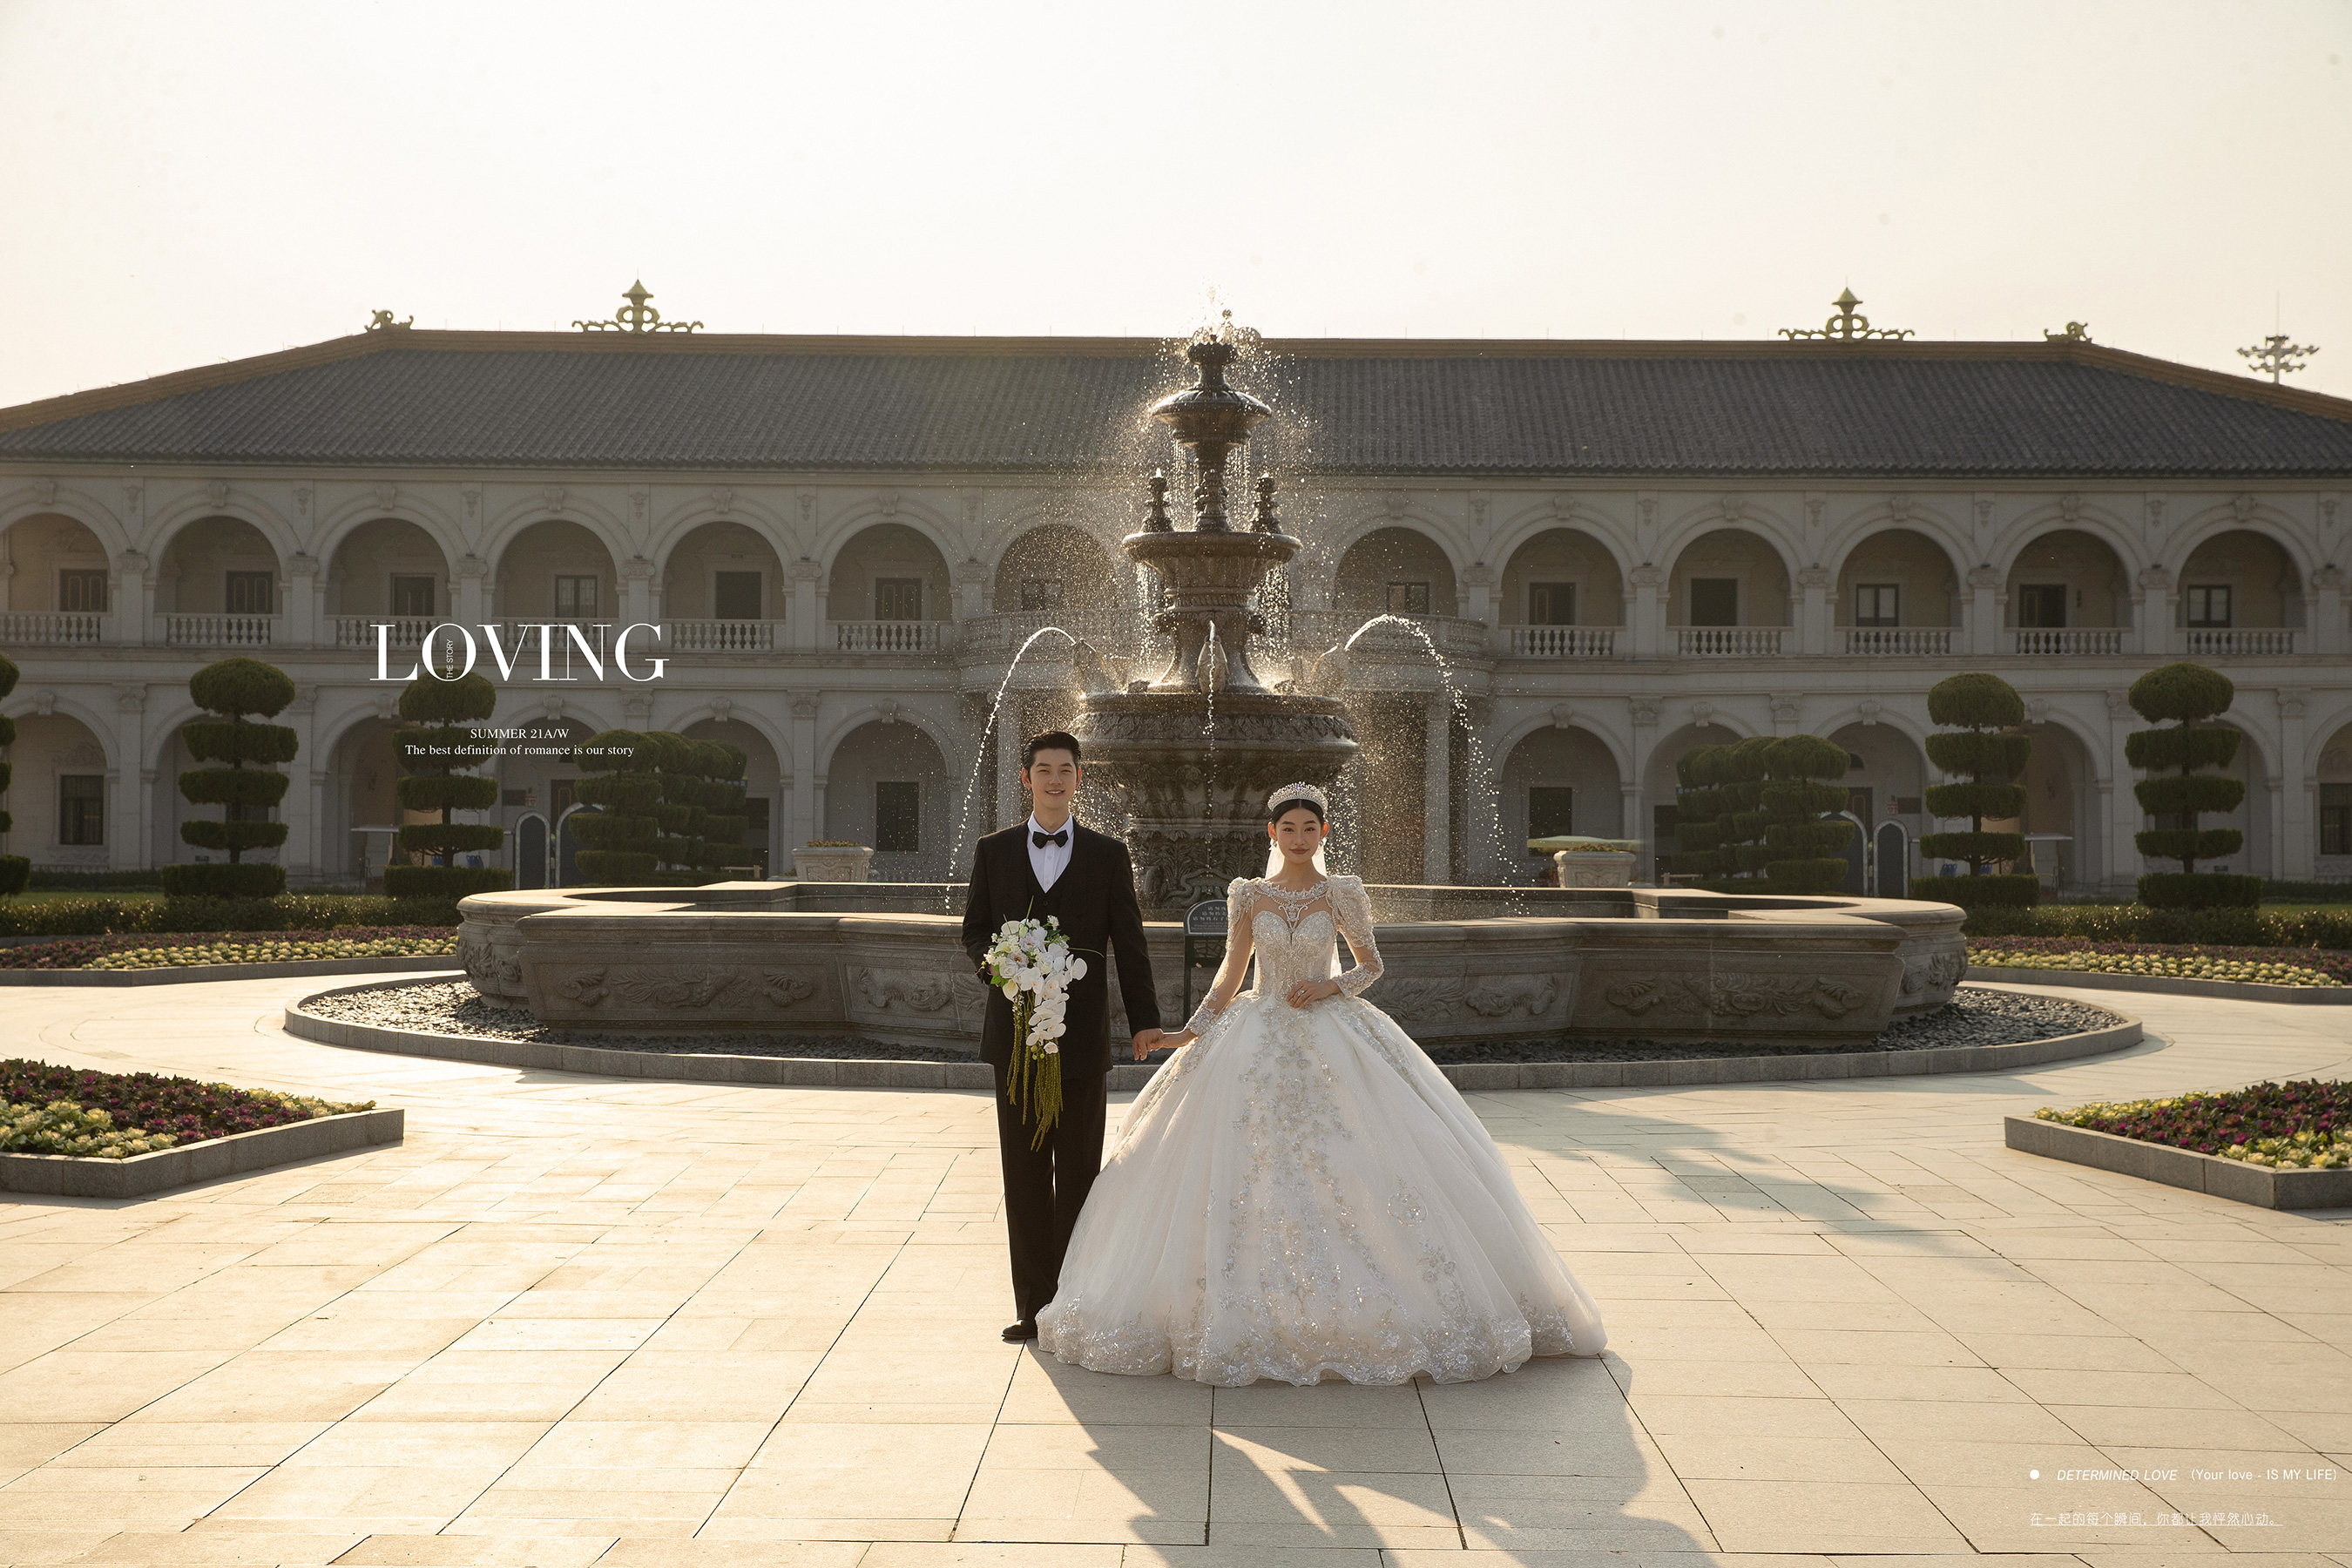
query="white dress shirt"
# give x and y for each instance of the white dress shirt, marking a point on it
(1050, 861)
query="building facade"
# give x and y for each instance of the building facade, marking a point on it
(1598, 556)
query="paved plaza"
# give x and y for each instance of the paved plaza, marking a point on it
(576, 1319)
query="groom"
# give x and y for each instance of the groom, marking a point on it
(1051, 865)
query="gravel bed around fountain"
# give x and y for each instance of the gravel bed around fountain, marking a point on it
(1974, 1018)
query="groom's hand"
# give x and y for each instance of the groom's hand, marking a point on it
(1145, 1042)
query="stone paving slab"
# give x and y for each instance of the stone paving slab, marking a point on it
(578, 1320)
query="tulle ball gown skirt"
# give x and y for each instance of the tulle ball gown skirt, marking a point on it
(1301, 1196)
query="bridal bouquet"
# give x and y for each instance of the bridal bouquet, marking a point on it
(1032, 962)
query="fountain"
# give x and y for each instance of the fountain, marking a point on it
(1192, 753)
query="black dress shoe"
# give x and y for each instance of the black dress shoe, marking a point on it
(1021, 1332)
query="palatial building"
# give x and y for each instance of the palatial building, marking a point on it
(1621, 550)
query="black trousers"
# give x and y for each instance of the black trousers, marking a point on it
(1046, 1188)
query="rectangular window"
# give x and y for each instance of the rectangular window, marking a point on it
(2335, 819)
(1551, 604)
(412, 596)
(2208, 607)
(1878, 605)
(575, 598)
(82, 592)
(82, 809)
(2041, 605)
(1715, 601)
(1408, 598)
(897, 598)
(1041, 594)
(735, 596)
(897, 815)
(250, 594)
(1551, 812)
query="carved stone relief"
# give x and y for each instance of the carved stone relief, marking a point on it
(1737, 995)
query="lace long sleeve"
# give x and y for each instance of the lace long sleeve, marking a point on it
(1228, 983)
(1352, 907)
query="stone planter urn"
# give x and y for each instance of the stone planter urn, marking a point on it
(830, 862)
(1594, 867)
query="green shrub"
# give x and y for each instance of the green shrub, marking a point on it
(2273, 892)
(1979, 712)
(2016, 890)
(437, 752)
(232, 690)
(2228, 927)
(1801, 838)
(719, 767)
(2186, 693)
(288, 911)
(15, 871)
(98, 881)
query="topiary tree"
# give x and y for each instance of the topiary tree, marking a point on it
(1698, 812)
(1744, 819)
(2186, 693)
(622, 833)
(1985, 711)
(234, 691)
(15, 871)
(437, 756)
(720, 767)
(1799, 835)
(679, 812)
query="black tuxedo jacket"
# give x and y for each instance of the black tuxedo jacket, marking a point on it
(1094, 899)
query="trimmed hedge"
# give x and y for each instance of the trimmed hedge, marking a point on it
(438, 752)
(288, 911)
(253, 879)
(228, 691)
(15, 871)
(2330, 929)
(2010, 891)
(97, 881)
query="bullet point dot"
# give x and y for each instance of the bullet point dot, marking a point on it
(2033, 1475)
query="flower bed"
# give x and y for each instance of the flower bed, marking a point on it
(2285, 1126)
(157, 952)
(48, 1110)
(2243, 965)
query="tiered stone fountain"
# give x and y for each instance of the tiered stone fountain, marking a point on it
(1193, 752)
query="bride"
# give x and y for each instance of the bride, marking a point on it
(1300, 1193)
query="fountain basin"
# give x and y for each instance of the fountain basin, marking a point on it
(1464, 964)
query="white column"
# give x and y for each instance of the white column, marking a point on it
(1645, 611)
(1984, 603)
(636, 591)
(1437, 781)
(1008, 761)
(806, 613)
(129, 844)
(305, 589)
(1643, 711)
(470, 604)
(2122, 813)
(133, 600)
(2294, 839)
(2326, 633)
(1811, 610)
(802, 819)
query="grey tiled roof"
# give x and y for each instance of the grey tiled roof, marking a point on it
(1397, 408)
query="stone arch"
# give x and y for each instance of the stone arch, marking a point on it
(578, 511)
(2331, 783)
(1553, 757)
(165, 524)
(750, 511)
(2096, 575)
(58, 502)
(337, 528)
(1081, 572)
(1416, 561)
(1748, 556)
(192, 570)
(890, 551)
(1893, 779)
(523, 572)
(1945, 533)
(2263, 519)
(906, 511)
(871, 774)
(66, 743)
(2094, 521)
(688, 573)
(1923, 570)
(42, 546)
(1563, 554)
(375, 546)
(1747, 515)
(1338, 539)
(2260, 570)
(1545, 516)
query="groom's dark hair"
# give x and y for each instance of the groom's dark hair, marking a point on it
(1050, 741)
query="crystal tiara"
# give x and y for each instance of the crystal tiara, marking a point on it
(1299, 791)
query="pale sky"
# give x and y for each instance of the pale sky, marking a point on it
(183, 182)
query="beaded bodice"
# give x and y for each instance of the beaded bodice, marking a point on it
(1293, 931)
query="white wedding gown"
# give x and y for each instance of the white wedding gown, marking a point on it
(1300, 1195)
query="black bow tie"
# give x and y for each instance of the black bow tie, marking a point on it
(1042, 839)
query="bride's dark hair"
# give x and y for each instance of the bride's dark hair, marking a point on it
(1282, 808)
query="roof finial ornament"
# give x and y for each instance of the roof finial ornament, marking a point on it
(2277, 356)
(1848, 325)
(636, 316)
(2076, 332)
(381, 321)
